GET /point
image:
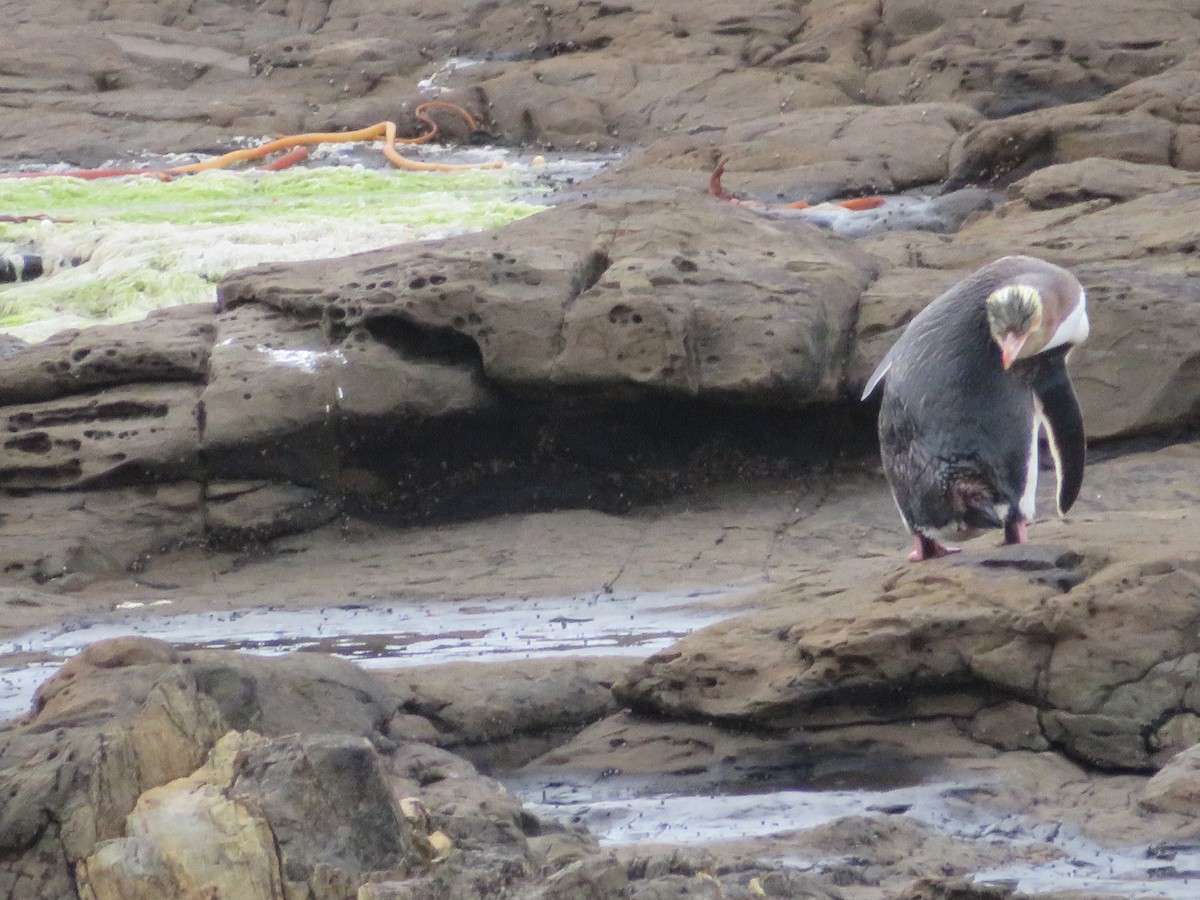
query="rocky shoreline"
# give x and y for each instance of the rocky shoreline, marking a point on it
(642, 388)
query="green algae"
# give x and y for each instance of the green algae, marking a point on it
(233, 197)
(118, 248)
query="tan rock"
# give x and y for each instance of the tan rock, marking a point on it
(95, 534)
(1176, 786)
(188, 838)
(620, 296)
(1098, 178)
(93, 440)
(130, 714)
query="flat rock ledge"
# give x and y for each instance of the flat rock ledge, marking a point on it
(1090, 652)
(601, 353)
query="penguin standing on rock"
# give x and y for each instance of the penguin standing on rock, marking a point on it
(966, 390)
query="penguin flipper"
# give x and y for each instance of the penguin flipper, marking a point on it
(1058, 409)
(877, 376)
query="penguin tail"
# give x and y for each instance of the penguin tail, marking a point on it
(974, 504)
(982, 516)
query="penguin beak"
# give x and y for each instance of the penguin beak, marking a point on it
(1010, 348)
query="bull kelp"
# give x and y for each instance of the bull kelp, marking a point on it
(114, 249)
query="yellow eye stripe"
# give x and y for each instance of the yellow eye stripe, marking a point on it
(1024, 296)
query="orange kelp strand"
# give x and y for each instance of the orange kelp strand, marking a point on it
(91, 174)
(859, 204)
(854, 204)
(381, 131)
(289, 159)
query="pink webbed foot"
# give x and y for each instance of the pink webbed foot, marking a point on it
(927, 548)
(1015, 533)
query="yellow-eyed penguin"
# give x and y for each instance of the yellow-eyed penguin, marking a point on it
(965, 390)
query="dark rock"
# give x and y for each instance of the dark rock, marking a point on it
(327, 802)
(957, 889)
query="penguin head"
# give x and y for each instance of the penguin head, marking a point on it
(1027, 317)
(1015, 313)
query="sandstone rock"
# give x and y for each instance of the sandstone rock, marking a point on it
(105, 728)
(267, 407)
(813, 155)
(1098, 178)
(64, 540)
(106, 775)
(374, 57)
(240, 514)
(1010, 58)
(189, 837)
(170, 345)
(1175, 788)
(957, 889)
(620, 296)
(106, 405)
(318, 816)
(101, 440)
(557, 101)
(98, 66)
(659, 69)
(1105, 662)
(105, 534)
(132, 713)
(501, 714)
(1145, 122)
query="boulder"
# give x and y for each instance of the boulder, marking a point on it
(1175, 787)
(499, 715)
(189, 837)
(131, 713)
(289, 789)
(318, 816)
(1151, 120)
(96, 407)
(106, 727)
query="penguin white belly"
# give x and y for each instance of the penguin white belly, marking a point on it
(1028, 504)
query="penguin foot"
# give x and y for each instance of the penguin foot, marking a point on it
(928, 548)
(1015, 533)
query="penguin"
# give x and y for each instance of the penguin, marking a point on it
(967, 388)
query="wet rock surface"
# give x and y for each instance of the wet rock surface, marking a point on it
(997, 716)
(644, 387)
